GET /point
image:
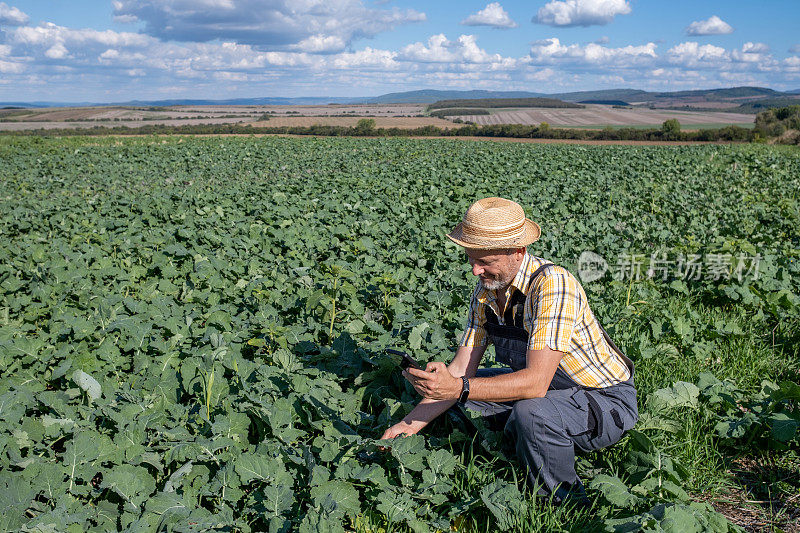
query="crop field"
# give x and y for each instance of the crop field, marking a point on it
(404, 116)
(192, 332)
(349, 122)
(606, 115)
(387, 115)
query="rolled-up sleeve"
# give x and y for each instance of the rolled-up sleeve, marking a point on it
(553, 311)
(475, 332)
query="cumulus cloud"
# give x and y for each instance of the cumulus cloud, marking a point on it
(545, 74)
(753, 53)
(711, 26)
(92, 49)
(57, 51)
(581, 12)
(755, 48)
(694, 54)
(439, 49)
(492, 15)
(10, 67)
(551, 51)
(321, 44)
(367, 58)
(274, 24)
(11, 16)
(751, 56)
(49, 34)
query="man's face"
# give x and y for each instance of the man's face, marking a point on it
(495, 268)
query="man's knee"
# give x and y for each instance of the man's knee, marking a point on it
(533, 418)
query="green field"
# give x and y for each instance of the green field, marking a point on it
(192, 332)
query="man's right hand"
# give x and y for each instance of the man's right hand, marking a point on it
(401, 428)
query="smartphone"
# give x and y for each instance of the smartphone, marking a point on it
(406, 360)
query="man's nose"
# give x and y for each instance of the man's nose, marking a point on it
(476, 269)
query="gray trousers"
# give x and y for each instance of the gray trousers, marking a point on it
(544, 433)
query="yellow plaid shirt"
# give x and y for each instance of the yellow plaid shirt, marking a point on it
(557, 315)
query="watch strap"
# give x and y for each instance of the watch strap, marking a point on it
(464, 390)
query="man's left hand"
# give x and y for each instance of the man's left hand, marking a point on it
(435, 382)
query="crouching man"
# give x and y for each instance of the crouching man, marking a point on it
(565, 384)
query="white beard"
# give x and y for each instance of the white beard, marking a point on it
(493, 285)
(498, 284)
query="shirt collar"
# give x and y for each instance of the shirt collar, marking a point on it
(520, 282)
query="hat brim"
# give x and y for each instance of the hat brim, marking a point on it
(531, 234)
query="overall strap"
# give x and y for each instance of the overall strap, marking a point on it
(616, 348)
(517, 298)
(539, 270)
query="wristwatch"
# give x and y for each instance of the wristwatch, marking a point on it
(464, 391)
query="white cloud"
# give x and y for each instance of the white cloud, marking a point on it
(712, 26)
(321, 44)
(440, 50)
(551, 51)
(751, 56)
(274, 24)
(91, 49)
(544, 74)
(11, 16)
(492, 15)
(231, 76)
(109, 55)
(57, 51)
(125, 19)
(756, 53)
(581, 12)
(755, 48)
(10, 67)
(48, 34)
(367, 58)
(692, 54)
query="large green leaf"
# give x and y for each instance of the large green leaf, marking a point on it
(133, 484)
(614, 491)
(505, 502)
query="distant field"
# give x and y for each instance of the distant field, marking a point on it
(86, 117)
(380, 122)
(688, 127)
(385, 115)
(601, 115)
(505, 102)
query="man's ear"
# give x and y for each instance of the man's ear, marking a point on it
(519, 253)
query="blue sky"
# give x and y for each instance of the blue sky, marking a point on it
(106, 51)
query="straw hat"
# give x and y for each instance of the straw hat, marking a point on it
(494, 223)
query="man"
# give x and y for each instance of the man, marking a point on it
(566, 384)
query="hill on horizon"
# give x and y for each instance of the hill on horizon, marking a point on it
(429, 96)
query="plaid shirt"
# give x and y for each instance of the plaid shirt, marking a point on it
(557, 316)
